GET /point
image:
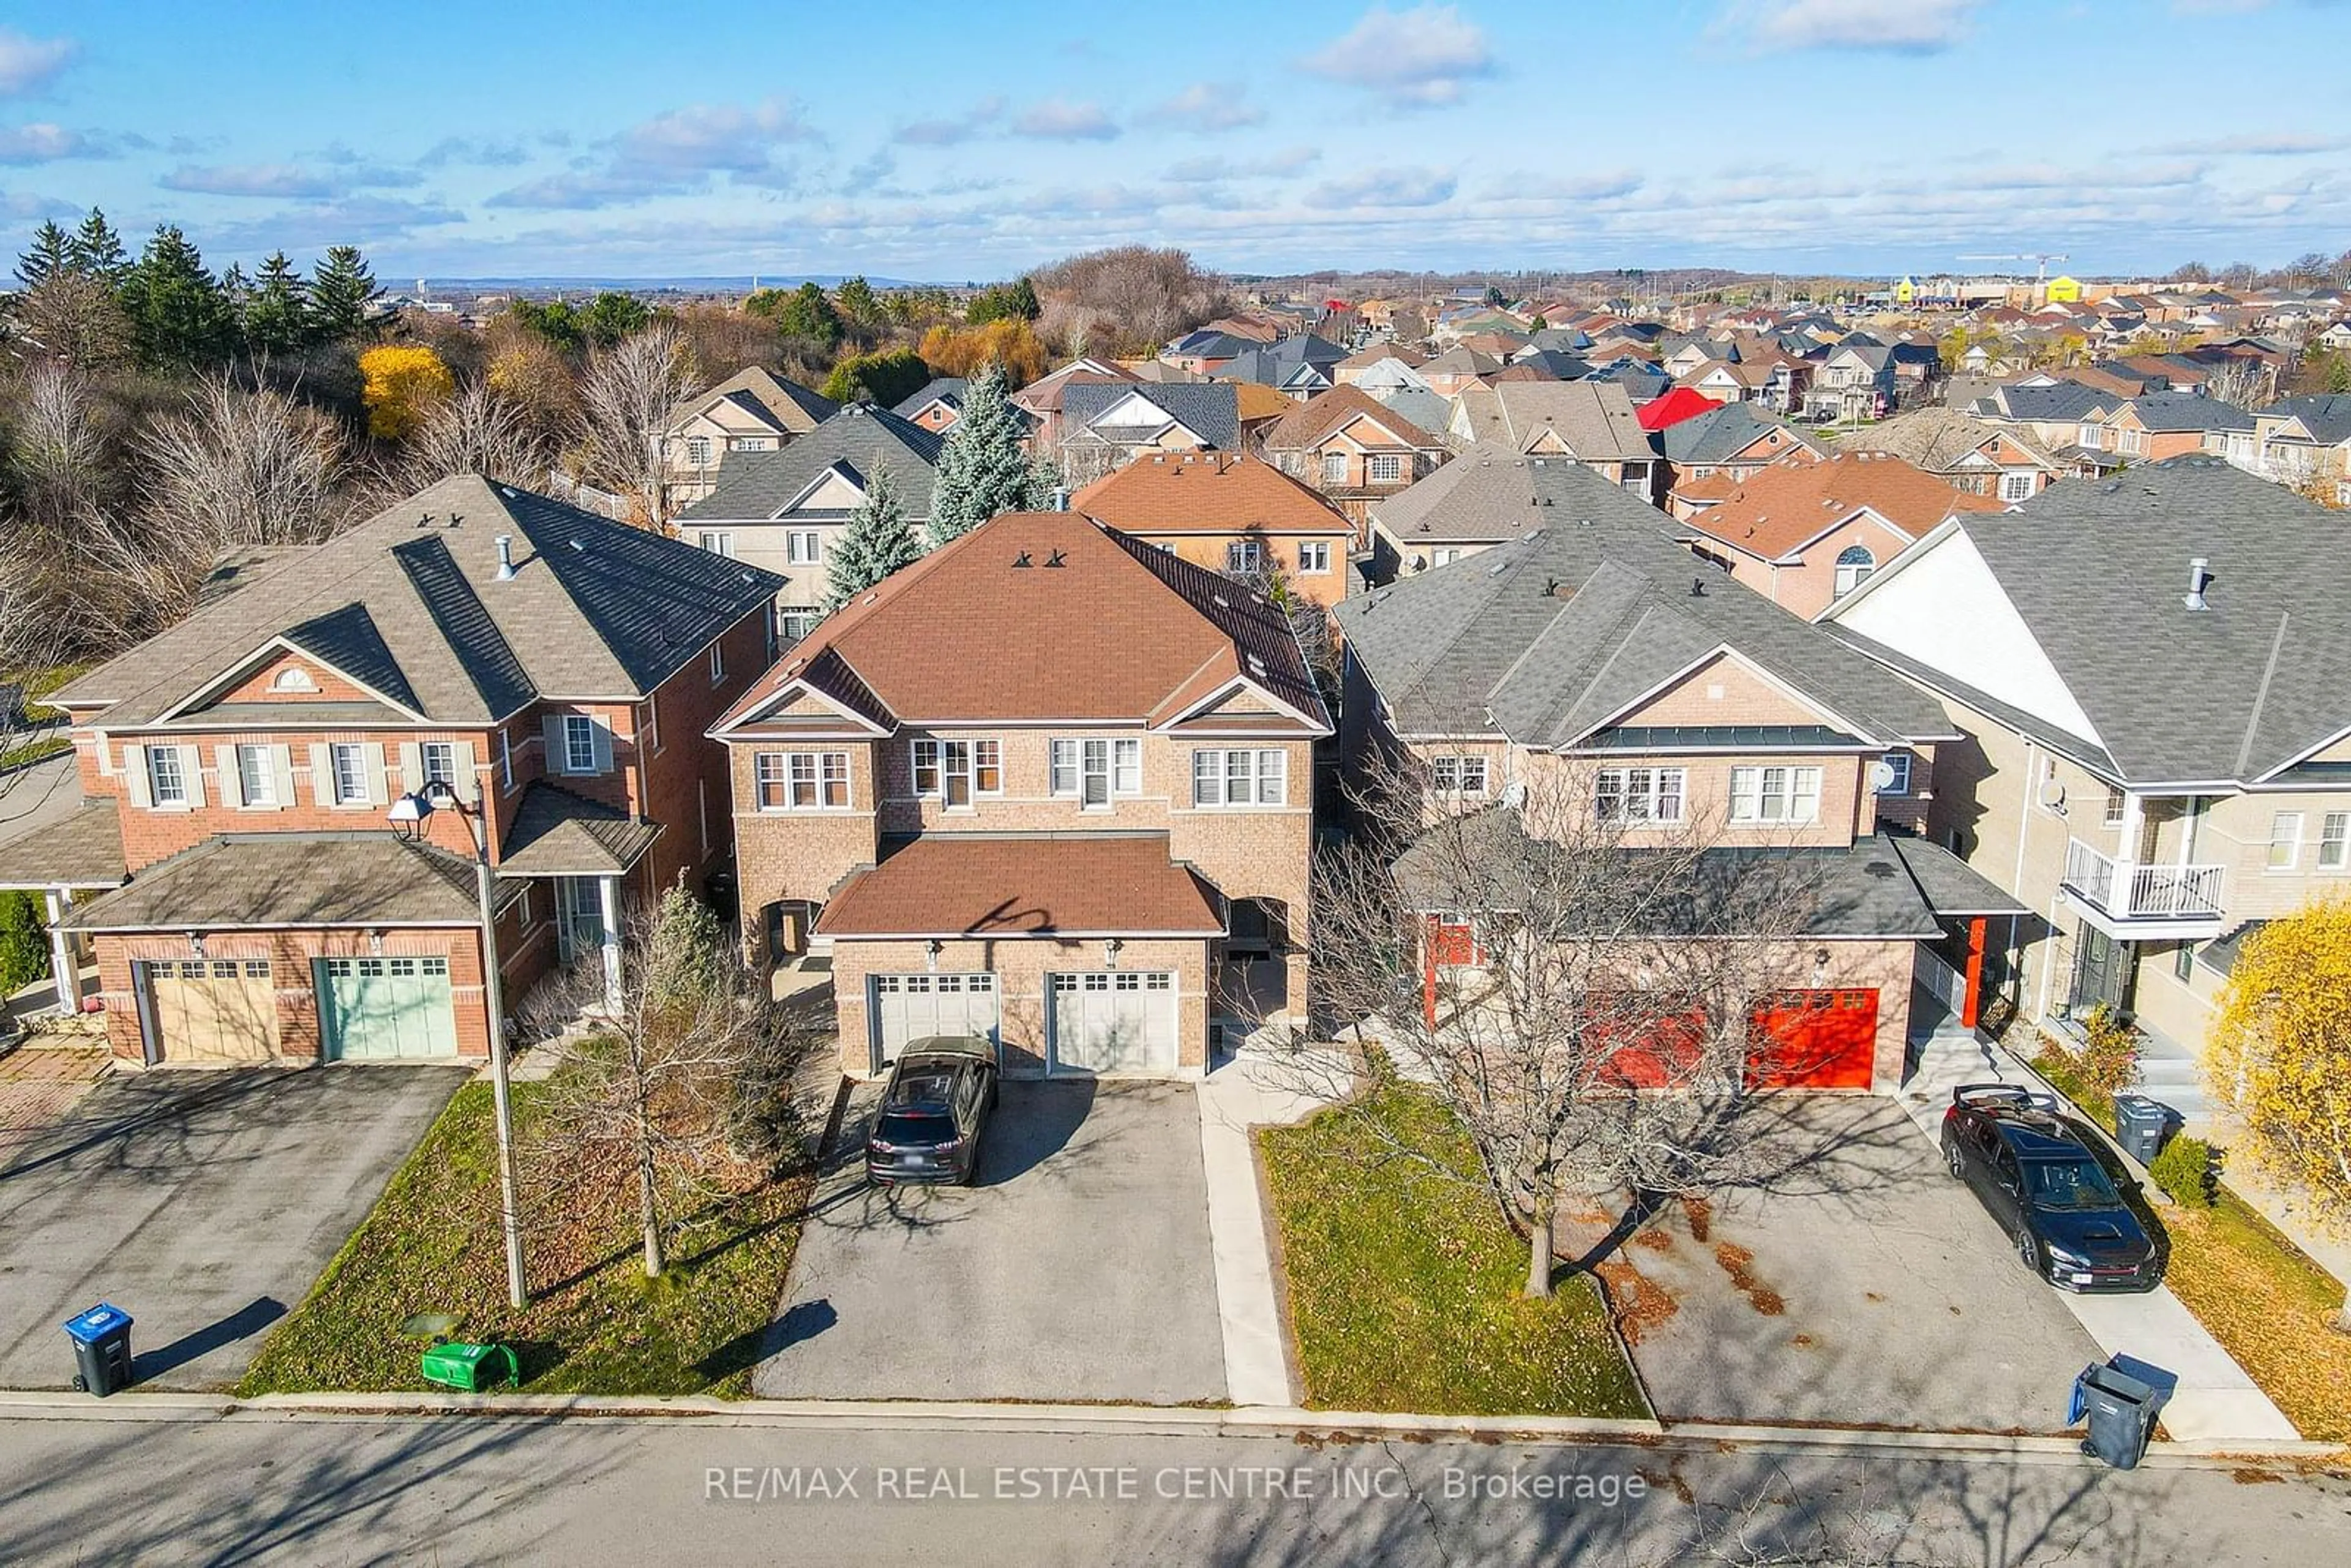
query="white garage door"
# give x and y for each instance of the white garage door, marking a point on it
(908, 1007)
(1115, 1021)
(376, 1009)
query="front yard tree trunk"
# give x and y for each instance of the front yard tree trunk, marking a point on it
(1541, 1241)
(650, 1212)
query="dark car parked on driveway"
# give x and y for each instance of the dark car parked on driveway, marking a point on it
(2039, 1175)
(933, 1113)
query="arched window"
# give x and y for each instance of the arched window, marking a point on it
(1853, 565)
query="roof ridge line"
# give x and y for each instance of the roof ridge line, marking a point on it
(2261, 696)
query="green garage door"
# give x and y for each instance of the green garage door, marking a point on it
(373, 1009)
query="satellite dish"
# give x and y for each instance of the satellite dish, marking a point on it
(1881, 775)
(1514, 793)
(2052, 794)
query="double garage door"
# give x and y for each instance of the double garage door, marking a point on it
(1110, 1021)
(373, 1010)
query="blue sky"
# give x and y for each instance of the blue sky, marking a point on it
(952, 142)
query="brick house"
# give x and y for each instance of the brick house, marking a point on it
(245, 895)
(1352, 448)
(1590, 658)
(1048, 784)
(1239, 516)
(1966, 451)
(1805, 535)
(754, 410)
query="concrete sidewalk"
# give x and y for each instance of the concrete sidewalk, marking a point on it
(2216, 1401)
(1247, 1091)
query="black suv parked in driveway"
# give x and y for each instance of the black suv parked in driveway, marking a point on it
(933, 1113)
(2038, 1175)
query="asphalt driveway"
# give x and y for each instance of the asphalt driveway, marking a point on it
(202, 1203)
(1859, 1284)
(1078, 1268)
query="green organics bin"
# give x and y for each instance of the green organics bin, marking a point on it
(470, 1368)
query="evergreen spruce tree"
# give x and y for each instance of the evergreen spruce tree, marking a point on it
(876, 542)
(277, 315)
(98, 250)
(982, 470)
(51, 252)
(178, 318)
(340, 291)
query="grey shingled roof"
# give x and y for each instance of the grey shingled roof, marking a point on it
(754, 487)
(2049, 405)
(1594, 418)
(1719, 434)
(1950, 886)
(1209, 409)
(295, 880)
(2179, 411)
(85, 849)
(559, 833)
(2326, 415)
(409, 603)
(1935, 439)
(947, 389)
(1480, 647)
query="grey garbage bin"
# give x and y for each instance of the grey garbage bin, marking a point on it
(2121, 1410)
(101, 1339)
(2142, 1126)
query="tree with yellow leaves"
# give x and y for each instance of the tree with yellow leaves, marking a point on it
(1009, 341)
(401, 383)
(2280, 1052)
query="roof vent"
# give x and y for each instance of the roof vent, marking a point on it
(1021, 562)
(575, 544)
(425, 521)
(1698, 588)
(2197, 580)
(506, 558)
(1057, 559)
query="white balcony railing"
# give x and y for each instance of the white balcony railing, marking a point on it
(2124, 890)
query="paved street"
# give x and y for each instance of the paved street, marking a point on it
(202, 1203)
(448, 1492)
(1079, 1266)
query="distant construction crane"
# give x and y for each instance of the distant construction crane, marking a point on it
(2043, 257)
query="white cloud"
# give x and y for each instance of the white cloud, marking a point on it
(1595, 187)
(952, 129)
(1057, 119)
(1206, 106)
(1385, 187)
(28, 63)
(1896, 26)
(1206, 170)
(46, 143)
(2255, 144)
(282, 181)
(675, 154)
(1424, 57)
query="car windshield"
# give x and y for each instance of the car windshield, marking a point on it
(2069, 1184)
(916, 1128)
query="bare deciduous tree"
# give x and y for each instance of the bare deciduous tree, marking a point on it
(477, 430)
(236, 467)
(2243, 383)
(73, 319)
(684, 1091)
(1577, 988)
(626, 400)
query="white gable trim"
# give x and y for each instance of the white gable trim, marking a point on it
(1243, 684)
(783, 697)
(839, 468)
(250, 661)
(1719, 652)
(1795, 556)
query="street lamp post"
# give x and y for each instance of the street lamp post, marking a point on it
(413, 808)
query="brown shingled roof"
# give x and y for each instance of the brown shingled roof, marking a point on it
(1311, 420)
(1024, 884)
(1785, 505)
(1206, 492)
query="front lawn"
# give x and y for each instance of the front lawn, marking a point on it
(2256, 1292)
(595, 1325)
(1405, 1287)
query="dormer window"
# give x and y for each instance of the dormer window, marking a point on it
(293, 678)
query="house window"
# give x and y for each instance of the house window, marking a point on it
(256, 781)
(791, 625)
(1386, 468)
(505, 760)
(1244, 556)
(2335, 841)
(803, 546)
(2183, 961)
(953, 771)
(1240, 778)
(717, 662)
(2286, 840)
(801, 780)
(1457, 775)
(1791, 795)
(1640, 794)
(2115, 799)
(1094, 770)
(718, 544)
(1442, 557)
(350, 769)
(439, 763)
(1900, 763)
(1853, 566)
(1334, 468)
(1315, 560)
(578, 744)
(2016, 486)
(166, 785)
(697, 452)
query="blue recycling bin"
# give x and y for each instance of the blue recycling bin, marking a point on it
(101, 1339)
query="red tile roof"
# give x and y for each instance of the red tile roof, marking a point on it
(1025, 884)
(1207, 492)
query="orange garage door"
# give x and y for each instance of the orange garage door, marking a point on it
(1816, 1040)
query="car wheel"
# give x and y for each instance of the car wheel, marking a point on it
(1954, 1162)
(2028, 1251)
